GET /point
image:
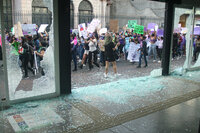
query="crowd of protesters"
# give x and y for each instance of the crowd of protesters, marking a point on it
(29, 51)
(125, 45)
(99, 50)
(112, 47)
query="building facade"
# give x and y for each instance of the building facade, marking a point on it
(83, 11)
(144, 11)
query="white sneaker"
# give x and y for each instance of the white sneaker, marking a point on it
(154, 60)
(159, 61)
(105, 75)
(84, 65)
(117, 74)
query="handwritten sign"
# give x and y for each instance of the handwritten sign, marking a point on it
(139, 29)
(132, 23)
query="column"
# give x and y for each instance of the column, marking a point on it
(64, 46)
(168, 30)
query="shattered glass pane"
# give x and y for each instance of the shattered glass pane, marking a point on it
(40, 78)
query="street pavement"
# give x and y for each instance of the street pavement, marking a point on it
(150, 105)
(84, 77)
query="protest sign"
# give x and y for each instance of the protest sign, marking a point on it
(156, 27)
(18, 30)
(131, 24)
(160, 32)
(82, 30)
(75, 31)
(184, 30)
(196, 30)
(139, 29)
(29, 29)
(151, 26)
(42, 28)
(114, 25)
(103, 31)
(93, 25)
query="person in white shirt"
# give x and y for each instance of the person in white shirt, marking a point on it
(92, 52)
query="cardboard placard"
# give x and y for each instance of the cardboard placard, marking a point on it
(18, 30)
(114, 25)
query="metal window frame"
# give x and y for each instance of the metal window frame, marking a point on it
(8, 102)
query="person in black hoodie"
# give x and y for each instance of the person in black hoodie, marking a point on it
(24, 56)
(143, 51)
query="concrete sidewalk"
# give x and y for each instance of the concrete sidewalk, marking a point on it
(181, 118)
(144, 104)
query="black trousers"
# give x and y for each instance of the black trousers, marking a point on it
(25, 59)
(160, 53)
(1, 53)
(94, 54)
(197, 49)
